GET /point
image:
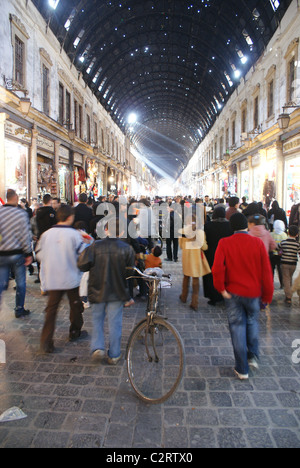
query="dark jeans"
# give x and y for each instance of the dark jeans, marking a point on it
(171, 255)
(76, 320)
(16, 263)
(276, 262)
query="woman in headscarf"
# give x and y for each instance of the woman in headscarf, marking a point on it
(214, 231)
(278, 235)
(276, 213)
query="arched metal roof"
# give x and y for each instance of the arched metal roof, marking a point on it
(172, 62)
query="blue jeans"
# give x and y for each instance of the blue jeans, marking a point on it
(242, 315)
(16, 263)
(114, 313)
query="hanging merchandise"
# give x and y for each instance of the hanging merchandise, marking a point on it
(16, 167)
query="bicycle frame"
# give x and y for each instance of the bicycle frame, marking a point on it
(153, 283)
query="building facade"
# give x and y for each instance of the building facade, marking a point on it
(55, 137)
(253, 149)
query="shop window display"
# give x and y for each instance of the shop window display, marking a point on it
(16, 161)
(46, 179)
(292, 183)
(85, 180)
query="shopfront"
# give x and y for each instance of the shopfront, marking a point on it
(64, 175)
(232, 179)
(111, 182)
(244, 179)
(256, 178)
(86, 177)
(16, 158)
(79, 176)
(46, 176)
(291, 151)
(268, 171)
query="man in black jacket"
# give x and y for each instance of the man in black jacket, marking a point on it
(45, 215)
(107, 261)
(83, 212)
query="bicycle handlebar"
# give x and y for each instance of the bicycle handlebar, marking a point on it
(149, 277)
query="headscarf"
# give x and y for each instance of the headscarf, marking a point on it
(278, 226)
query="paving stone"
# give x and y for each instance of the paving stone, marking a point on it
(71, 402)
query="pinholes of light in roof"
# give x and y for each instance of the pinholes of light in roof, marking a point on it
(140, 50)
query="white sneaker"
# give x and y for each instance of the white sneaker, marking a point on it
(253, 363)
(113, 361)
(98, 355)
(86, 305)
(241, 376)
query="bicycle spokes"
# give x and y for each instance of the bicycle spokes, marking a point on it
(155, 360)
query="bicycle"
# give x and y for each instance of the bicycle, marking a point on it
(155, 353)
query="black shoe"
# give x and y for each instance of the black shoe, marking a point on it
(213, 303)
(22, 313)
(176, 260)
(168, 260)
(37, 281)
(75, 335)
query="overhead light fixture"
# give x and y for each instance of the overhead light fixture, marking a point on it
(71, 134)
(283, 121)
(24, 102)
(284, 118)
(25, 105)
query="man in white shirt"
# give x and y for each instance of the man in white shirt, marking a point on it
(58, 251)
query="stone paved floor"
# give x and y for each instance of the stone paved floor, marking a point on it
(70, 402)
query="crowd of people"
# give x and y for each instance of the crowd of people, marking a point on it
(235, 248)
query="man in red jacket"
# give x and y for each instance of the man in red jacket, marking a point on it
(242, 274)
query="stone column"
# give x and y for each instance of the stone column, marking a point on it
(33, 189)
(250, 179)
(56, 164)
(3, 118)
(105, 180)
(279, 173)
(238, 175)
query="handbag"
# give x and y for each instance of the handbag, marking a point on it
(205, 265)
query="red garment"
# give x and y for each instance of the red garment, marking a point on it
(242, 267)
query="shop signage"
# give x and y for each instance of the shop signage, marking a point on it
(64, 152)
(255, 161)
(20, 133)
(291, 145)
(244, 165)
(45, 143)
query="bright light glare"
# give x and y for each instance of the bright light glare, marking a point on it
(244, 59)
(53, 3)
(237, 74)
(132, 118)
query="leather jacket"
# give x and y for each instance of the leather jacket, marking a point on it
(106, 260)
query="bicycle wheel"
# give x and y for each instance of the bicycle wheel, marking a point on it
(155, 360)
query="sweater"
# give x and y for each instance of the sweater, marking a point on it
(58, 251)
(290, 249)
(14, 231)
(242, 267)
(261, 232)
